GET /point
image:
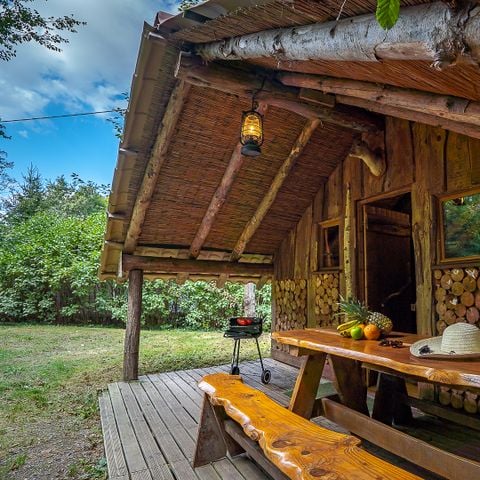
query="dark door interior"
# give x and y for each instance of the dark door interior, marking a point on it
(388, 260)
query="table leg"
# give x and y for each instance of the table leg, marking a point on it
(306, 386)
(350, 383)
(388, 407)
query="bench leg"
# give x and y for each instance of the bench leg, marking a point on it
(388, 407)
(210, 443)
(212, 440)
(306, 386)
(350, 383)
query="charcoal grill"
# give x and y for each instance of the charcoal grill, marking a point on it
(240, 332)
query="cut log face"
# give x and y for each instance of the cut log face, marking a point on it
(457, 298)
(290, 304)
(326, 287)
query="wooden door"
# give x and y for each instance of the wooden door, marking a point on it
(388, 265)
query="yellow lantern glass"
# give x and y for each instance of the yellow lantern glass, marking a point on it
(251, 135)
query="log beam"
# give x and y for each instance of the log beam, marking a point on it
(191, 69)
(427, 119)
(432, 32)
(157, 158)
(184, 253)
(454, 109)
(220, 195)
(174, 265)
(275, 186)
(132, 331)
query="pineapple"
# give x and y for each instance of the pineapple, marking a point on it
(354, 310)
(381, 321)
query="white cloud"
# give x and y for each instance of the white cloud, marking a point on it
(23, 133)
(91, 71)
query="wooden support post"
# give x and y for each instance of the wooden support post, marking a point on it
(305, 391)
(269, 198)
(349, 383)
(388, 407)
(210, 440)
(132, 331)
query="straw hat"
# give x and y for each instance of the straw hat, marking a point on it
(460, 340)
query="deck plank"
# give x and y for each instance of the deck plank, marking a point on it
(156, 462)
(133, 453)
(117, 467)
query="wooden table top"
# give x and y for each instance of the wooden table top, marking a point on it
(456, 373)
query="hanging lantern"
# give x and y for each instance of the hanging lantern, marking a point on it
(251, 134)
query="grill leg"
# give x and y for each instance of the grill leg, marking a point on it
(266, 374)
(235, 357)
(260, 355)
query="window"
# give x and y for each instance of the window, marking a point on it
(460, 227)
(329, 244)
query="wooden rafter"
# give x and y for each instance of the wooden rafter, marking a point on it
(220, 195)
(156, 160)
(443, 110)
(175, 265)
(245, 84)
(432, 32)
(277, 182)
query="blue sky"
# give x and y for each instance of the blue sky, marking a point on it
(89, 74)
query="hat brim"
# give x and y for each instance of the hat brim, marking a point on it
(435, 344)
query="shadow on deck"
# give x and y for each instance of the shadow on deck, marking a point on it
(150, 427)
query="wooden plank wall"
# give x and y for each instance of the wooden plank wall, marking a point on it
(427, 161)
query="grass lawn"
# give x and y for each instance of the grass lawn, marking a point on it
(49, 380)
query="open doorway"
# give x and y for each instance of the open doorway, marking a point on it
(388, 260)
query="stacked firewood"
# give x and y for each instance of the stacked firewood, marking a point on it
(291, 304)
(468, 401)
(457, 296)
(327, 293)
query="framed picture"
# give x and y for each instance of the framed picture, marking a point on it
(460, 227)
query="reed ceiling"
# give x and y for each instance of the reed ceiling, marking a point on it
(207, 132)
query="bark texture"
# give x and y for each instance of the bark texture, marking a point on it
(430, 32)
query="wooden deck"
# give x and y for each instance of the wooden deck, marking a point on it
(150, 427)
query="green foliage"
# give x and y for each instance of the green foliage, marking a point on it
(50, 242)
(21, 24)
(387, 13)
(462, 226)
(186, 4)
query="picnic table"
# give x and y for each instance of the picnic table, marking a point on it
(348, 357)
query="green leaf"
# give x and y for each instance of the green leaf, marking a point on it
(387, 13)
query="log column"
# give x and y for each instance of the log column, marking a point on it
(132, 332)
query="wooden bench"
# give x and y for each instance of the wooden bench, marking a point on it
(295, 447)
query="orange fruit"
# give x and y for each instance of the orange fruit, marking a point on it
(372, 332)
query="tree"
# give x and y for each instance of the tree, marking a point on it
(21, 24)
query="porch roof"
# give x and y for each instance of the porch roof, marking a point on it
(181, 139)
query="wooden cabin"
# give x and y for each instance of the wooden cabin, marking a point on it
(371, 153)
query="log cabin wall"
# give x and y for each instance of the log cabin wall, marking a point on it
(428, 162)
